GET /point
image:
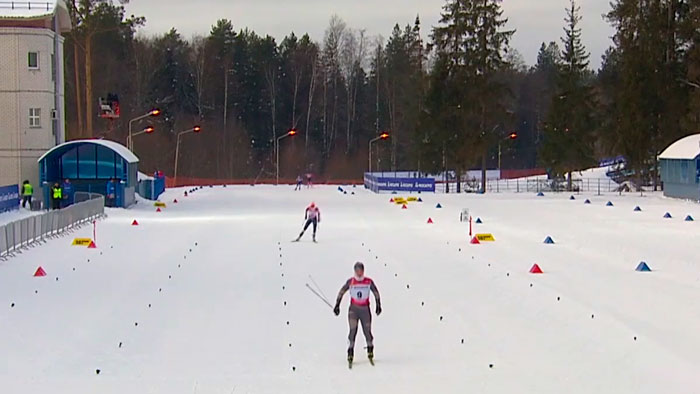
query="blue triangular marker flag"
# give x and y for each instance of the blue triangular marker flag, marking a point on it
(420, 199)
(540, 194)
(609, 204)
(689, 219)
(478, 221)
(572, 198)
(637, 209)
(667, 216)
(438, 206)
(643, 267)
(549, 240)
(587, 201)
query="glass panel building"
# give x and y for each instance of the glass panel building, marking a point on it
(90, 165)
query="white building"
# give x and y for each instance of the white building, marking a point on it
(32, 112)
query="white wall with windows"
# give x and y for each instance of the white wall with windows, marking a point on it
(27, 101)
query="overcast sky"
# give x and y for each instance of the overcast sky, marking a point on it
(535, 20)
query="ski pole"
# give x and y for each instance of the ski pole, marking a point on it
(319, 296)
(318, 287)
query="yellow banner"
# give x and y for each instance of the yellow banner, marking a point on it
(159, 204)
(413, 199)
(82, 241)
(485, 237)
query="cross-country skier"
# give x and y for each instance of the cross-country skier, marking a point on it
(300, 181)
(312, 216)
(359, 287)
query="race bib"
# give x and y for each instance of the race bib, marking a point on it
(360, 293)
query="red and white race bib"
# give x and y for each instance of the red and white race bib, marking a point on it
(360, 290)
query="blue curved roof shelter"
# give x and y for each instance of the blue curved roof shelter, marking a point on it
(90, 166)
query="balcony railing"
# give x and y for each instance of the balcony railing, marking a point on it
(27, 5)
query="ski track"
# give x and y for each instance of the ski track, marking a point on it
(210, 296)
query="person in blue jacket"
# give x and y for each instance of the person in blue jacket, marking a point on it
(112, 192)
(67, 193)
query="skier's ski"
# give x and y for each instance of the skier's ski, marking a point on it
(371, 361)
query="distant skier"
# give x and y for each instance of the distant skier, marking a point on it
(309, 180)
(300, 182)
(312, 216)
(359, 286)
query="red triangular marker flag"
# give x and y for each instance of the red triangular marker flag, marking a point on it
(158, 210)
(39, 272)
(392, 200)
(134, 223)
(475, 241)
(404, 206)
(430, 220)
(175, 201)
(535, 269)
(92, 245)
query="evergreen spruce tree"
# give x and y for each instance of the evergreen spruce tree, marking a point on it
(570, 126)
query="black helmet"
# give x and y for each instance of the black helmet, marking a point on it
(359, 266)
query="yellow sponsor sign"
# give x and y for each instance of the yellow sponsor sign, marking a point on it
(159, 204)
(82, 241)
(485, 237)
(412, 199)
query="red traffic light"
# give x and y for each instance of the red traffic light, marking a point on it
(149, 129)
(384, 136)
(513, 136)
(155, 112)
(292, 132)
(197, 129)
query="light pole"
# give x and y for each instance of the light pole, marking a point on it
(511, 136)
(382, 136)
(129, 142)
(147, 130)
(290, 133)
(195, 129)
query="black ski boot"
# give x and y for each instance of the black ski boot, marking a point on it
(351, 356)
(370, 354)
(314, 239)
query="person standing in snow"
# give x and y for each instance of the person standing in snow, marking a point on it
(300, 181)
(359, 287)
(312, 216)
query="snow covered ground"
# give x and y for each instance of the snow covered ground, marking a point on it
(11, 216)
(209, 296)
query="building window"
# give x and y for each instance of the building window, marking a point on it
(33, 60)
(35, 118)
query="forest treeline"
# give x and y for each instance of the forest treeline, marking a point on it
(449, 101)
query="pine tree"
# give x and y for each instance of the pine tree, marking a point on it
(569, 130)
(471, 43)
(650, 101)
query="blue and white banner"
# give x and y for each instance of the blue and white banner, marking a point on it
(393, 184)
(9, 198)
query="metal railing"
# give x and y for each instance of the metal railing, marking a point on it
(27, 5)
(586, 185)
(18, 235)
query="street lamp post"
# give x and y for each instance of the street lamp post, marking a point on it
(511, 136)
(129, 141)
(147, 130)
(383, 136)
(195, 129)
(290, 133)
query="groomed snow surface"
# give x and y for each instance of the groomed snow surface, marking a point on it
(210, 296)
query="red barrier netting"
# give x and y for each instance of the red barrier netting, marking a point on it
(191, 181)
